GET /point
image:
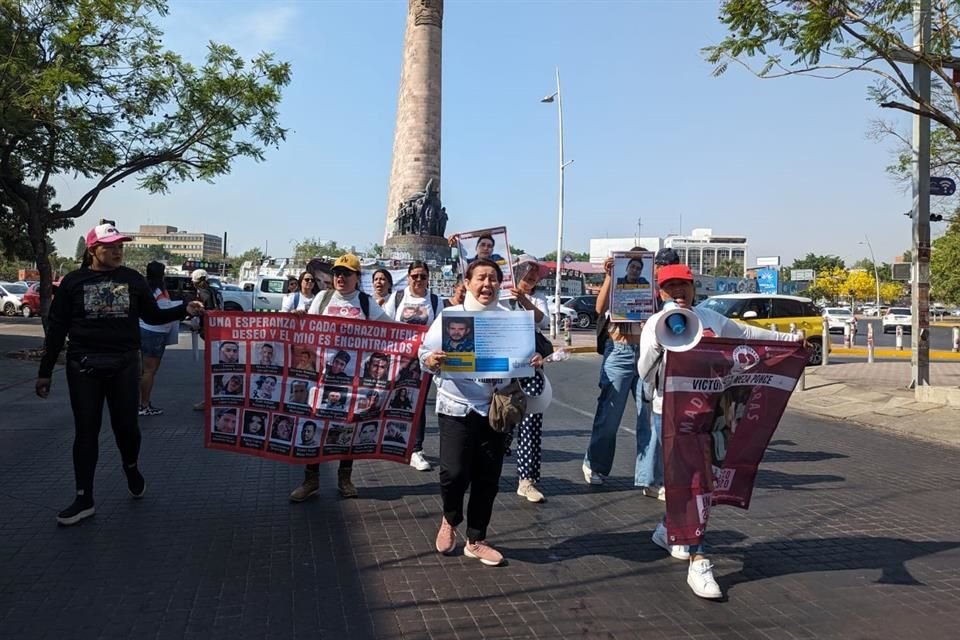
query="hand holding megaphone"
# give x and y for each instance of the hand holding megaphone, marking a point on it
(676, 328)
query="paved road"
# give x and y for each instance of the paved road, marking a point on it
(852, 534)
(941, 338)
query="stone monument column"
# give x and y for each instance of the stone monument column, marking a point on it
(413, 201)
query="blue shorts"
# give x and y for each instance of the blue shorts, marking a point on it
(152, 343)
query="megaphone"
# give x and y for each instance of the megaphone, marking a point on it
(678, 329)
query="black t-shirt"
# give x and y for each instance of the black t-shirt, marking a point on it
(99, 311)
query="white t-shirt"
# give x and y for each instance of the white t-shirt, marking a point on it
(164, 302)
(412, 310)
(297, 302)
(539, 300)
(347, 307)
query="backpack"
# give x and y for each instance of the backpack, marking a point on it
(434, 301)
(507, 407)
(328, 296)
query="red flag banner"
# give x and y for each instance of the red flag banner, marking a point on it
(722, 402)
(300, 388)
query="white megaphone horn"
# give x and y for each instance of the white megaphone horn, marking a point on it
(678, 329)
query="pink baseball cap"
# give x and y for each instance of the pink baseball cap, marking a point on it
(105, 234)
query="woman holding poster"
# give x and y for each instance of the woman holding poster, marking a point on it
(345, 300)
(471, 452)
(676, 283)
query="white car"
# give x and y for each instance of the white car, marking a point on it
(565, 312)
(11, 298)
(897, 317)
(838, 318)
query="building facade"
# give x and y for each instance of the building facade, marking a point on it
(702, 250)
(190, 244)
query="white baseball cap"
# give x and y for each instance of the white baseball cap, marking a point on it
(198, 274)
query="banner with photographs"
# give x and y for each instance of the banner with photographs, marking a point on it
(487, 243)
(722, 402)
(634, 292)
(302, 388)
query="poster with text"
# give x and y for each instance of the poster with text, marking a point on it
(633, 292)
(487, 243)
(487, 344)
(722, 402)
(300, 388)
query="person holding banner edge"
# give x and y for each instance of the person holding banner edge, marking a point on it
(471, 452)
(676, 285)
(98, 307)
(425, 306)
(345, 300)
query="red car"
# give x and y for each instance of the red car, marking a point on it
(31, 300)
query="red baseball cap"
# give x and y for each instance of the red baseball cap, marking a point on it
(105, 234)
(674, 272)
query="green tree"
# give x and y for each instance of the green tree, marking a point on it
(884, 270)
(87, 89)
(254, 256)
(577, 256)
(81, 248)
(944, 258)
(310, 248)
(516, 251)
(138, 257)
(818, 263)
(375, 249)
(728, 269)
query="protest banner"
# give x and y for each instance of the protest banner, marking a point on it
(722, 402)
(487, 243)
(488, 344)
(634, 292)
(300, 388)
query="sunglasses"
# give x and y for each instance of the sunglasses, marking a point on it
(342, 273)
(418, 276)
(308, 279)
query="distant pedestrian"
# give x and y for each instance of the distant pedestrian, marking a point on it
(97, 307)
(293, 285)
(154, 338)
(300, 300)
(382, 286)
(211, 300)
(456, 297)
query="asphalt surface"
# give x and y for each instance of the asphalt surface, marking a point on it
(852, 534)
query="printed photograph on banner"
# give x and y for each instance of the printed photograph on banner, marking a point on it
(281, 434)
(730, 409)
(402, 403)
(224, 425)
(254, 432)
(489, 344)
(307, 438)
(376, 370)
(409, 373)
(634, 292)
(369, 403)
(265, 390)
(303, 361)
(338, 438)
(298, 397)
(396, 436)
(228, 388)
(267, 357)
(339, 366)
(334, 402)
(491, 244)
(366, 437)
(227, 355)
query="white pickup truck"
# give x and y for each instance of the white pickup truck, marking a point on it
(265, 295)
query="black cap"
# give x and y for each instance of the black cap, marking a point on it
(666, 256)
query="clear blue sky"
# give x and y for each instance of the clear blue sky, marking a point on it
(653, 135)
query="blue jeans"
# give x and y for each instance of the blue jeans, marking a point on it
(619, 378)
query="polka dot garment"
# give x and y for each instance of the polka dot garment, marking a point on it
(529, 434)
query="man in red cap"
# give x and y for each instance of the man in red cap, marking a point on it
(677, 285)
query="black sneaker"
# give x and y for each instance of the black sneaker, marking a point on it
(136, 485)
(81, 509)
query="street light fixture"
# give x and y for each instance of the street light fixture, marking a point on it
(557, 97)
(876, 272)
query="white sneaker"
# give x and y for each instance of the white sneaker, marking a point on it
(418, 462)
(662, 494)
(678, 551)
(700, 579)
(590, 476)
(527, 489)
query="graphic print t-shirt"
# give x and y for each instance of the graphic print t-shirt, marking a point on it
(412, 310)
(347, 307)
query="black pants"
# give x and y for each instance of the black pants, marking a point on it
(471, 455)
(88, 390)
(344, 464)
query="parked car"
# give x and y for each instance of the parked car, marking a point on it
(31, 299)
(837, 318)
(762, 310)
(565, 311)
(897, 317)
(585, 308)
(11, 298)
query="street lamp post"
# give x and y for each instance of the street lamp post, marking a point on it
(876, 272)
(556, 96)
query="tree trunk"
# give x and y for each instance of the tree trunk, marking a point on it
(38, 240)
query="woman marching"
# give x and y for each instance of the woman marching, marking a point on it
(525, 296)
(471, 452)
(415, 305)
(300, 300)
(97, 307)
(382, 286)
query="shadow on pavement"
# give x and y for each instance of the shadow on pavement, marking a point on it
(779, 455)
(769, 479)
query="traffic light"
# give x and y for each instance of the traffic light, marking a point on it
(936, 217)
